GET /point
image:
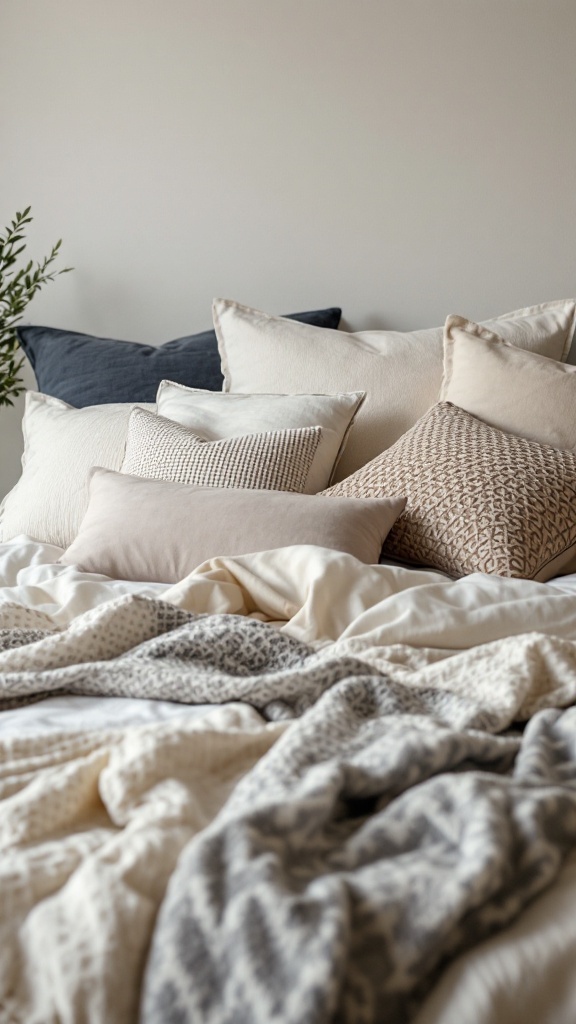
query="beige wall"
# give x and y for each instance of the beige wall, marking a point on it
(402, 158)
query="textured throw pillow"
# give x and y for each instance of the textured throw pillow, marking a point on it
(477, 499)
(61, 444)
(517, 391)
(84, 370)
(159, 449)
(400, 372)
(215, 415)
(151, 530)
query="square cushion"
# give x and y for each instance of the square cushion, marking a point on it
(215, 415)
(84, 370)
(517, 391)
(160, 449)
(61, 444)
(477, 499)
(151, 530)
(401, 372)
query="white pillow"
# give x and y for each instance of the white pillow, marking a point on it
(400, 372)
(517, 391)
(61, 444)
(216, 415)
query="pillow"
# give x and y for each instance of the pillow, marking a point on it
(160, 449)
(477, 499)
(61, 444)
(216, 415)
(83, 370)
(400, 372)
(517, 391)
(155, 531)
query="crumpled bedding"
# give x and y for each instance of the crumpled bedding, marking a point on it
(383, 833)
(95, 821)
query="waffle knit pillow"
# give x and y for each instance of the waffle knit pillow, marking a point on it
(477, 499)
(159, 449)
(215, 415)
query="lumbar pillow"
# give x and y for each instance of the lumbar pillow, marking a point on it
(61, 444)
(84, 370)
(151, 530)
(517, 391)
(159, 449)
(215, 415)
(400, 372)
(477, 499)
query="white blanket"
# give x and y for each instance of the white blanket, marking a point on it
(92, 822)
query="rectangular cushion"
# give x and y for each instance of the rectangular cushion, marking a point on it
(150, 530)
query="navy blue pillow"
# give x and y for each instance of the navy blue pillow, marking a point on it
(83, 370)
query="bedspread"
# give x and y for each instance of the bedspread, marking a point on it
(367, 805)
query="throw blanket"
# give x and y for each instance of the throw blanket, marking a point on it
(374, 841)
(349, 853)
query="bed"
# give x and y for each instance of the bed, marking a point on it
(290, 783)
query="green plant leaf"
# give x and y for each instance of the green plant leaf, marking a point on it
(17, 288)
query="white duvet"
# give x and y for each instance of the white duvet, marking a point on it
(400, 619)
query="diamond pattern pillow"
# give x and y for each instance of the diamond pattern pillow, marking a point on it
(277, 460)
(478, 499)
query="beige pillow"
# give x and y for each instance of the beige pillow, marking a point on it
(477, 499)
(61, 444)
(520, 392)
(160, 449)
(151, 530)
(400, 372)
(215, 415)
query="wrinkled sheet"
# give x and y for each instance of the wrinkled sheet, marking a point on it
(415, 626)
(69, 713)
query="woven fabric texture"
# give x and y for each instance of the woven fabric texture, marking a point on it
(478, 499)
(277, 460)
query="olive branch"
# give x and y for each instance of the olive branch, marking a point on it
(18, 286)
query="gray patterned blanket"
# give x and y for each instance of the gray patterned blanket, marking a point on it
(386, 830)
(370, 845)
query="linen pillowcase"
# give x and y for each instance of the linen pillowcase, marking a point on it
(61, 444)
(159, 449)
(520, 392)
(154, 531)
(477, 499)
(217, 415)
(84, 370)
(401, 372)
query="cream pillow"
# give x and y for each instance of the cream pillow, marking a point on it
(520, 392)
(477, 499)
(400, 372)
(215, 415)
(151, 530)
(160, 449)
(61, 444)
